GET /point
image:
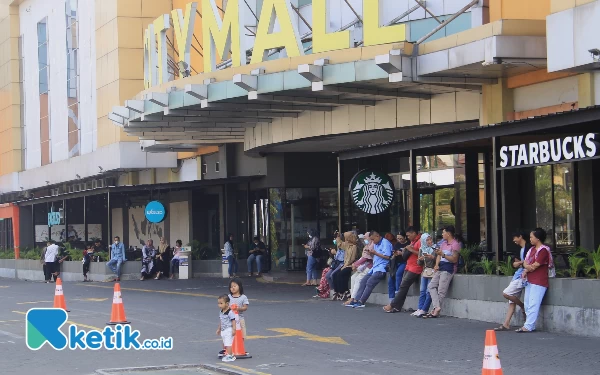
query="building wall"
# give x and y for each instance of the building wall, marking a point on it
(31, 12)
(11, 159)
(120, 26)
(517, 9)
(387, 114)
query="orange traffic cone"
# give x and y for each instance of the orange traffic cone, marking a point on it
(238, 341)
(491, 359)
(59, 297)
(117, 315)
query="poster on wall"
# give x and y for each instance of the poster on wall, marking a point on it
(140, 229)
(75, 232)
(41, 233)
(94, 231)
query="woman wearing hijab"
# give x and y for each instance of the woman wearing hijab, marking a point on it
(342, 277)
(148, 255)
(230, 255)
(162, 258)
(312, 249)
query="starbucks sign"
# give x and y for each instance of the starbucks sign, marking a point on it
(372, 191)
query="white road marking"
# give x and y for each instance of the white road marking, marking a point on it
(11, 335)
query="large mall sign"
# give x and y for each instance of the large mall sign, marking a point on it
(223, 34)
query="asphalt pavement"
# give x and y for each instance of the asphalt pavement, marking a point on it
(289, 332)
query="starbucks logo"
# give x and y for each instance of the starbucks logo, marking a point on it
(372, 191)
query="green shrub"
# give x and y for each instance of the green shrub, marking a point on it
(594, 268)
(7, 254)
(506, 268)
(31, 254)
(486, 265)
(466, 254)
(203, 251)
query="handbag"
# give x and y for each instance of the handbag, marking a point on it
(406, 254)
(428, 272)
(329, 261)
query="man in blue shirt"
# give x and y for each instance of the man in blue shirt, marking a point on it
(381, 258)
(513, 291)
(117, 257)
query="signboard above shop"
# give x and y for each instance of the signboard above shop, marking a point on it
(244, 29)
(558, 150)
(155, 212)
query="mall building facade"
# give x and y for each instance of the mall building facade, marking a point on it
(272, 117)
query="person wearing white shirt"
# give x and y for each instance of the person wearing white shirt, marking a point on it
(50, 259)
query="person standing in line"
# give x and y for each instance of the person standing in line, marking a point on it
(148, 257)
(445, 268)
(50, 259)
(381, 257)
(537, 263)
(514, 289)
(175, 259)
(312, 249)
(230, 254)
(117, 257)
(411, 273)
(257, 252)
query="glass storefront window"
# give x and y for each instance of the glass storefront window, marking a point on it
(554, 204)
(328, 213)
(441, 184)
(543, 200)
(301, 215)
(277, 229)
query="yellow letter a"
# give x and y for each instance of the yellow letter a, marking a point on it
(265, 38)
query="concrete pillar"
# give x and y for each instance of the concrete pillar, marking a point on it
(497, 103)
(586, 93)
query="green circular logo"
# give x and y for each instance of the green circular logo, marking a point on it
(372, 191)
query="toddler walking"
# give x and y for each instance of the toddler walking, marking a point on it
(227, 318)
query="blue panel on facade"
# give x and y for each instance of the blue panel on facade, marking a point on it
(422, 27)
(367, 70)
(339, 73)
(217, 91)
(270, 83)
(190, 100)
(461, 23)
(234, 91)
(150, 108)
(293, 80)
(176, 99)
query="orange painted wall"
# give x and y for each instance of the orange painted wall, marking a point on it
(11, 211)
(519, 9)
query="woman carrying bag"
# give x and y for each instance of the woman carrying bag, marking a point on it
(427, 261)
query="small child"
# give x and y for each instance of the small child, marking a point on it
(225, 329)
(238, 298)
(88, 253)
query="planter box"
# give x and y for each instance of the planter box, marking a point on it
(570, 306)
(26, 269)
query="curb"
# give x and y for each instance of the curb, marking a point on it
(215, 368)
